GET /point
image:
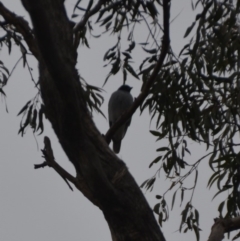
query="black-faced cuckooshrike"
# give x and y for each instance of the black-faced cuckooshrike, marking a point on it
(119, 102)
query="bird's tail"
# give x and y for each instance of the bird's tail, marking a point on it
(116, 146)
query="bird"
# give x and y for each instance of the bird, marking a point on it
(119, 102)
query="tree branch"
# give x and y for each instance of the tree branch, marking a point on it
(67, 177)
(22, 27)
(87, 15)
(50, 161)
(222, 226)
(146, 86)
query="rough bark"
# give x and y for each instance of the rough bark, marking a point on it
(104, 178)
(222, 226)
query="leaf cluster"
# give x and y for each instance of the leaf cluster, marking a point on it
(196, 96)
(93, 97)
(119, 59)
(4, 73)
(32, 116)
(117, 16)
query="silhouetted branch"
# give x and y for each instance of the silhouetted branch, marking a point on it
(146, 86)
(222, 226)
(50, 161)
(21, 26)
(37, 166)
(87, 15)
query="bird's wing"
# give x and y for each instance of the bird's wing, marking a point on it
(119, 102)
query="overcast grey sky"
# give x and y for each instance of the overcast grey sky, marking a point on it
(36, 204)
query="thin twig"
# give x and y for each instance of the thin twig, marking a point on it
(14, 67)
(42, 165)
(150, 31)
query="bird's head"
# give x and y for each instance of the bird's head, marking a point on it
(125, 88)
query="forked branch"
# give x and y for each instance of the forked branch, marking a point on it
(50, 161)
(67, 177)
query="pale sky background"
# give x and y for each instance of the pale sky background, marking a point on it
(37, 204)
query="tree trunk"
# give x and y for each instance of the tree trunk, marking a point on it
(104, 178)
